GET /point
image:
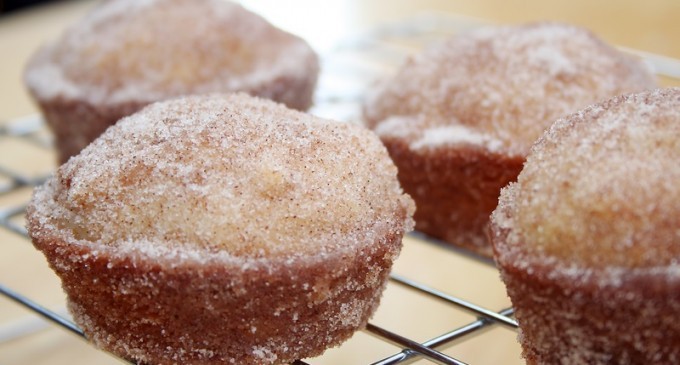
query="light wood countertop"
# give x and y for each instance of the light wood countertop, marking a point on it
(651, 26)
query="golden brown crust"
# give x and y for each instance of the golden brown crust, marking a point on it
(611, 296)
(130, 53)
(484, 97)
(222, 229)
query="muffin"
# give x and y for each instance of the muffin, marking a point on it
(126, 54)
(459, 118)
(222, 229)
(588, 238)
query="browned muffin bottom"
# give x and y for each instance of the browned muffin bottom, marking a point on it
(128, 53)
(222, 229)
(459, 118)
(588, 239)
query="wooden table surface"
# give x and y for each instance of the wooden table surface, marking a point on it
(650, 26)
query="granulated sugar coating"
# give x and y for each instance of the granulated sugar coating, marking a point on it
(223, 229)
(128, 53)
(506, 83)
(588, 239)
(459, 118)
(602, 188)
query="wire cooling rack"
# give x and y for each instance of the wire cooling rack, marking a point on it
(347, 71)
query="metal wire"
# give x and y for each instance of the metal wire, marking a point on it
(44, 312)
(408, 356)
(461, 303)
(412, 345)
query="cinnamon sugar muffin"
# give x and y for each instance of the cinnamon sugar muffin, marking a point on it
(128, 53)
(459, 118)
(222, 229)
(588, 239)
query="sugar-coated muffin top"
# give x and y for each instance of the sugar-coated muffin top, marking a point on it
(227, 173)
(500, 87)
(601, 188)
(148, 50)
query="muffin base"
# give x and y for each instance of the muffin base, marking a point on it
(271, 312)
(76, 123)
(565, 323)
(455, 189)
(571, 315)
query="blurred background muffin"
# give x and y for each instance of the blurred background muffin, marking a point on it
(459, 118)
(125, 54)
